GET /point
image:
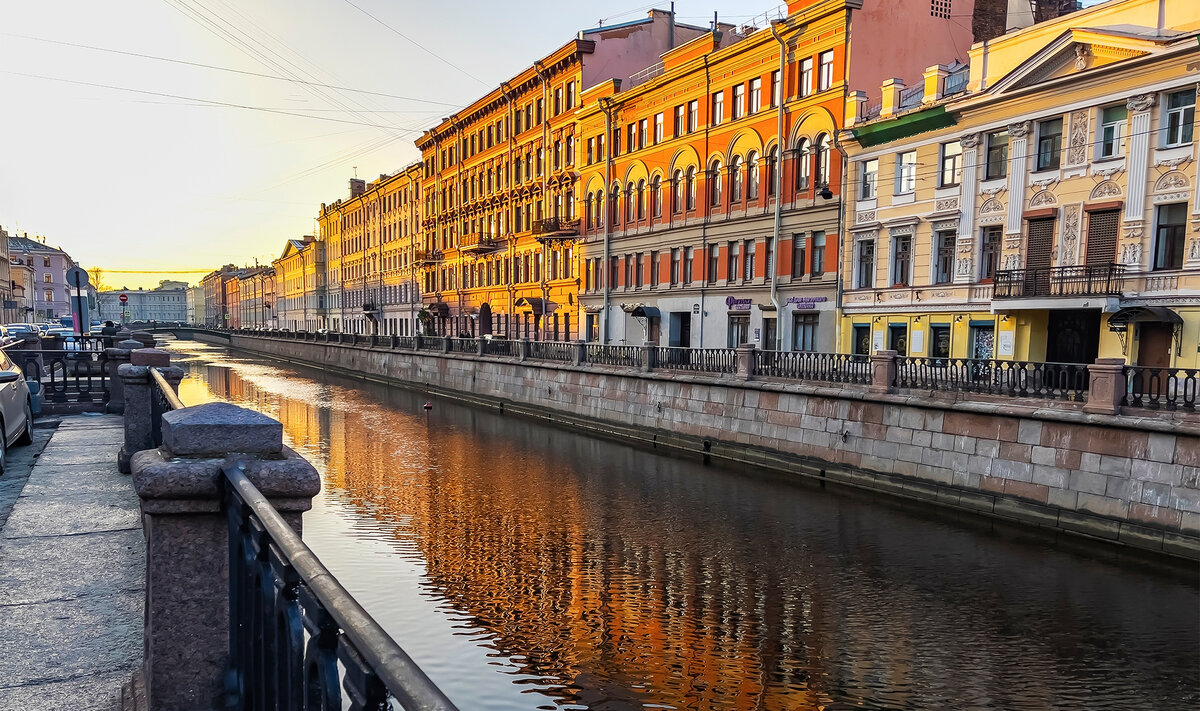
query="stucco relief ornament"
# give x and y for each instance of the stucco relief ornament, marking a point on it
(1082, 52)
(1108, 172)
(1194, 249)
(1043, 197)
(991, 205)
(1172, 162)
(1131, 253)
(969, 141)
(1077, 153)
(1141, 102)
(1171, 181)
(1012, 261)
(946, 204)
(1106, 189)
(865, 216)
(1070, 234)
(1019, 129)
(964, 267)
(992, 192)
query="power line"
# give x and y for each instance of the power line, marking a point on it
(418, 45)
(231, 70)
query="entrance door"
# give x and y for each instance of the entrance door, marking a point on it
(770, 334)
(1154, 351)
(1073, 336)
(680, 335)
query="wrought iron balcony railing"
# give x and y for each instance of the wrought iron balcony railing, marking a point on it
(555, 228)
(478, 244)
(1085, 280)
(428, 257)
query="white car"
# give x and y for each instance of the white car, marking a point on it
(16, 412)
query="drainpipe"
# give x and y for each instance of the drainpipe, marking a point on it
(606, 106)
(703, 170)
(540, 321)
(510, 185)
(778, 190)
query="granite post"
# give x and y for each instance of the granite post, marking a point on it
(579, 353)
(883, 372)
(1106, 386)
(745, 361)
(648, 362)
(138, 387)
(186, 642)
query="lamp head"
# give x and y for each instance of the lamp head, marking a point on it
(826, 193)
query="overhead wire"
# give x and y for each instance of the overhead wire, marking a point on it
(417, 44)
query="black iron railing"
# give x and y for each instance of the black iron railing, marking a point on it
(162, 400)
(430, 343)
(1011, 378)
(1085, 280)
(552, 226)
(1161, 388)
(551, 350)
(65, 376)
(297, 637)
(628, 356)
(819, 367)
(696, 360)
(501, 347)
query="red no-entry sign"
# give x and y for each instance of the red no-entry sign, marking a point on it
(124, 298)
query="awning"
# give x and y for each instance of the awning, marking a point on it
(536, 304)
(439, 308)
(645, 312)
(1120, 320)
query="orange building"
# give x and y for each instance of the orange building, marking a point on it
(688, 244)
(501, 188)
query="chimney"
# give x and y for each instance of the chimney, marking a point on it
(357, 187)
(935, 76)
(892, 88)
(856, 107)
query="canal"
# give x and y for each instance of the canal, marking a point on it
(526, 567)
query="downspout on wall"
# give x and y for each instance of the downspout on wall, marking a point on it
(607, 107)
(779, 140)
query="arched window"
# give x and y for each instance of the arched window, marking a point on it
(803, 166)
(641, 199)
(614, 200)
(587, 212)
(629, 200)
(690, 180)
(751, 176)
(823, 159)
(599, 209)
(714, 183)
(735, 180)
(656, 196)
(772, 170)
(677, 193)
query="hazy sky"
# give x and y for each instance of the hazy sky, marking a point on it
(132, 163)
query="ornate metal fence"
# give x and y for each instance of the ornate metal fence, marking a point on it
(500, 347)
(1161, 388)
(559, 351)
(696, 360)
(628, 356)
(75, 374)
(1056, 381)
(822, 367)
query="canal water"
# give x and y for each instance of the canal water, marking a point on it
(527, 567)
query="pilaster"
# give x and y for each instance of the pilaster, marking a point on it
(1018, 162)
(964, 269)
(1139, 155)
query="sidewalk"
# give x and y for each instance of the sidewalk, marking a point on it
(72, 571)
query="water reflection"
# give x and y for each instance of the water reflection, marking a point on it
(525, 567)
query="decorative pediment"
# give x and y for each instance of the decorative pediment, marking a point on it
(1077, 51)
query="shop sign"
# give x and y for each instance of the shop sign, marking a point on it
(806, 302)
(738, 303)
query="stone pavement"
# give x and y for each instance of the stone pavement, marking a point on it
(72, 571)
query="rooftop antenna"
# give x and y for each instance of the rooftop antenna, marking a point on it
(355, 167)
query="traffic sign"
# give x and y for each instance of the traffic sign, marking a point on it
(77, 277)
(124, 298)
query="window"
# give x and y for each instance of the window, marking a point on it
(751, 176)
(989, 253)
(656, 196)
(902, 260)
(861, 339)
(688, 258)
(906, 172)
(939, 341)
(823, 160)
(739, 330)
(825, 79)
(714, 255)
(739, 101)
(735, 180)
(799, 255)
(1181, 114)
(1102, 230)
(997, 155)
(46, 278)
(940, 8)
(658, 127)
(870, 173)
(631, 138)
(653, 270)
(642, 133)
(1049, 146)
(772, 171)
(732, 253)
(775, 89)
(45, 261)
(803, 165)
(943, 268)
(680, 118)
(1169, 236)
(748, 260)
(755, 96)
(866, 264)
(714, 187)
(690, 180)
(641, 200)
(818, 253)
(693, 117)
(951, 164)
(677, 192)
(570, 95)
(674, 266)
(1112, 125)
(804, 332)
(806, 76)
(717, 108)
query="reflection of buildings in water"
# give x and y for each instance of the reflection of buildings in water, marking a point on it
(616, 578)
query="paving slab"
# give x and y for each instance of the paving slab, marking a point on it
(72, 513)
(59, 456)
(89, 692)
(32, 571)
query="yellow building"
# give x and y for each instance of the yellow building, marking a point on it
(300, 286)
(1037, 204)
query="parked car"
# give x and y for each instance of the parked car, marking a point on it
(15, 329)
(16, 410)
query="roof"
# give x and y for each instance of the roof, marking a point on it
(24, 244)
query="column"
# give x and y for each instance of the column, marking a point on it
(964, 268)
(1018, 141)
(1139, 155)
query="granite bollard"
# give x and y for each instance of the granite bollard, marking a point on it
(187, 540)
(138, 389)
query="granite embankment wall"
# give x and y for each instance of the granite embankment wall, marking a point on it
(1130, 480)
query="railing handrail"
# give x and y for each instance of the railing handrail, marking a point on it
(167, 391)
(399, 673)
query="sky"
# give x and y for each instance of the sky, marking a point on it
(134, 164)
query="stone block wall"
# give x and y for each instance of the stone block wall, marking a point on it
(1127, 479)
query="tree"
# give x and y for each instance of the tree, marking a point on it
(96, 277)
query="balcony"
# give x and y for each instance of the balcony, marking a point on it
(555, 228)
(1051, 282)
(479, 244)
(370, 307)
(428, 257)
